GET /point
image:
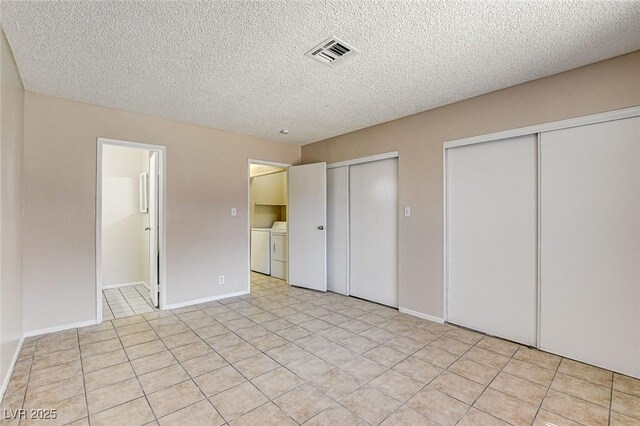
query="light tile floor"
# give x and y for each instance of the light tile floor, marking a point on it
(125, 301)
(286, 356)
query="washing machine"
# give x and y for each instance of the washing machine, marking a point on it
(279, 250)
(261, 250)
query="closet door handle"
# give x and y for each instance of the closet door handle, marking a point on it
(274, 247)
(321, 227)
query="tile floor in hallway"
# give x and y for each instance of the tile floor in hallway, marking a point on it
(285, 356)
(125, 301)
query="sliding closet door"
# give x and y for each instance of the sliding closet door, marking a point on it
(590, 244)
(373, 194)
(338, 230)
(492, 233)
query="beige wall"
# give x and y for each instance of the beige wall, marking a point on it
(11, 127)
(608, 85)
(268, 189)
(206, 176)
(125, 243)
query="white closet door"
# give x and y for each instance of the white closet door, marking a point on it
(590, 245)
(492, 234)
(373, 193)
(338, 230)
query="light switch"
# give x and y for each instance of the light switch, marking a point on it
(407, 211)
(234, 212)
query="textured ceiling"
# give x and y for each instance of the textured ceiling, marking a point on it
(240, 66)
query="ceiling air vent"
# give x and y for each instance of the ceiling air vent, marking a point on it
(332, 51)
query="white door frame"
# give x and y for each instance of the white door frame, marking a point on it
(265, 163)
(162, 206)
(153, 179)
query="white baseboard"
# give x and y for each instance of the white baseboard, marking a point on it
(421, 315)
(59, 328)
(106, 287)
(5, 380)
(204, 300)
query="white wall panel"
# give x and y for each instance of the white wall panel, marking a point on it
(338, 230)
(492, 233)
(590, 245)
(373, 209)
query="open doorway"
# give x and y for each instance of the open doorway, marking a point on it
(267, 206)
(129, 231)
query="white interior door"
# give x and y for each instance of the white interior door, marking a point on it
(338, 230)
(373, 210)
(590, 236)
(153, 226)
(307, 212)
(492, 237)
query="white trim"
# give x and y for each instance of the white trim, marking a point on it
(421, 315)
(205, 300)
(368, 159)
(162, 195)
(539, 237)
(445, 296)
(60, 328)
(7, 378)
(106, 287)
(547, 127)
(264, 163)
(348, 191)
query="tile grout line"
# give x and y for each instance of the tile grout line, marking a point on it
(105, 300)
(126, 299)
(269, 400)
(131, 365)
(26, 387)
(304, 382)
(264, 352)
(203, 341)
(402, 404)
(281, 300)
(84, 384)
(31, 370)
(145, 298)
(613, 378)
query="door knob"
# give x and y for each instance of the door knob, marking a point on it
(321, 227)
(147, 229)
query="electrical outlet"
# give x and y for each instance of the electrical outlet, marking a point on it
(221, 279)
(234, 212)
(407, 211)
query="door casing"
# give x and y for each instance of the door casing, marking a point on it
(162, 207)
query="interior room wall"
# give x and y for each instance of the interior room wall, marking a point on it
(206, 175)
(125, 243)
(265, 189)
(604, 86)
(260, 169)
(11, 143)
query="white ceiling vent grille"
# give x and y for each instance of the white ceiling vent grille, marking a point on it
(332, 51)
